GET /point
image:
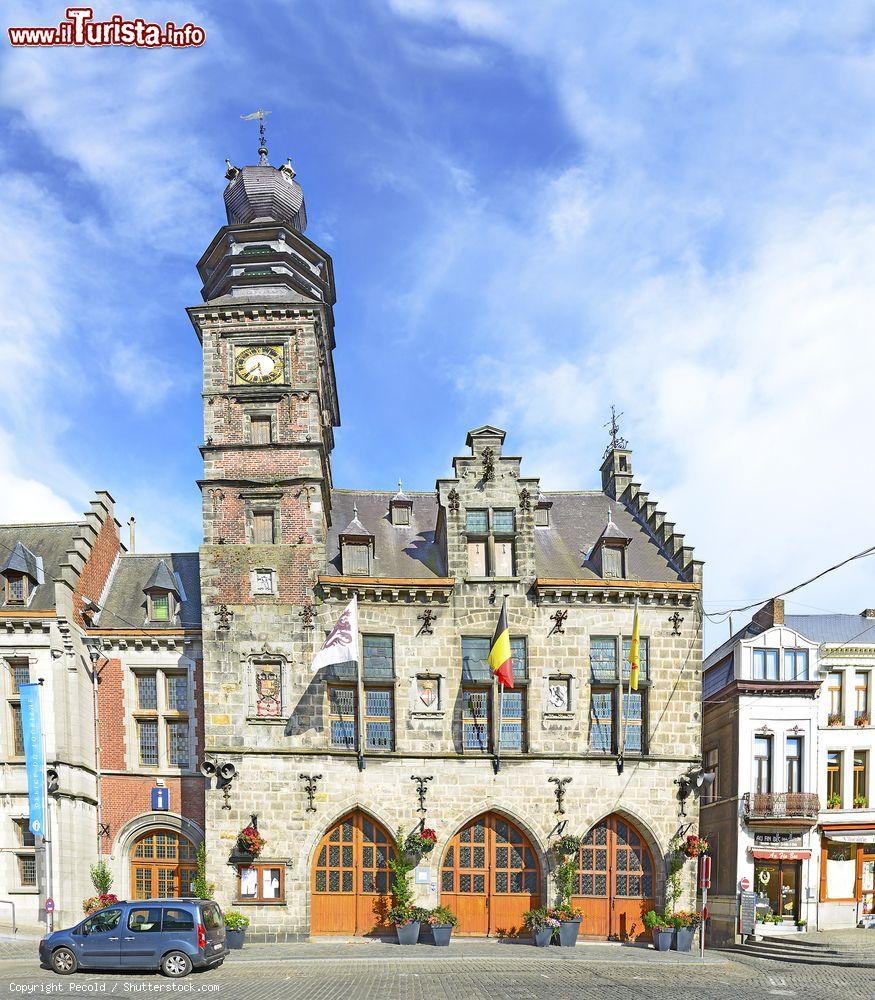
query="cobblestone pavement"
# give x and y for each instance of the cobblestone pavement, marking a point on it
(338, 972)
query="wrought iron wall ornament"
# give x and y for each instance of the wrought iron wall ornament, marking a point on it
(453, 500)
(558, 618)
(492, 596)
(676, 620)
(427, 618)
(488, 465)
(308, 615)
(223, 618)
(422, 781)
(310, 789)
(560, 784)
(525, 499)
(104, 829)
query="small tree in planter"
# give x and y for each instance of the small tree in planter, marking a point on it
(101, 879)
(569, 917)
(541, 925)
(442, 921)
(235, 928)
(660, 929)
(403, 914)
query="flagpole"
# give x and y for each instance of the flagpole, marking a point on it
(359, 696)
(623, 718)
(500, 720)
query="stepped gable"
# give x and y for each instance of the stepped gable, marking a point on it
(125, 604)
(402, 552)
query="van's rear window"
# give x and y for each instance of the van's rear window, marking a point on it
(212, 920)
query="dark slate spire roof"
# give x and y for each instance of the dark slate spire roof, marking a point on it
(355, 528)
(162, 579)
(265, 194)
(22, 560)
(612, 531)
(401, 496)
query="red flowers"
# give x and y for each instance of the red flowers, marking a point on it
(696, 846)
(95, 903)
(250, 841)
(428, 834)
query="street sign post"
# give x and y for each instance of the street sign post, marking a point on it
(704, 885)
(744, 884)
(50, 905)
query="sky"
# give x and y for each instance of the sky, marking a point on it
(535, 211)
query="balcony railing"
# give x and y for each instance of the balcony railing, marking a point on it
(781, 805)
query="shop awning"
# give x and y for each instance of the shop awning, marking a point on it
(851, 836)
(765, 855)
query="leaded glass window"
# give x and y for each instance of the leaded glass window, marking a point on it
(147, 731)
(378, 655)
(603, 658)
(601, 720)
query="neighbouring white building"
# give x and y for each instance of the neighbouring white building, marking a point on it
(787, 728)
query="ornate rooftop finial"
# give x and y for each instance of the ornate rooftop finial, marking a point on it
(259, 115)
(355, 512)
(610, 516)
(614, 424)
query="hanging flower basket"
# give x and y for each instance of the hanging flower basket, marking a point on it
(695, 846)
(420, 842)
(250, 841)
(566, 846)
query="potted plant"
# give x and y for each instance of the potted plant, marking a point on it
(660, 929)
(835, 719)
(566, 846)
(861, 719)
(442, 921)
(860, 801)
(101, 879)
(569, 917)
(541, 925)
(235, 928)
(685, 925)
(403, 914)
(695, 846)
(250, 841)
(420, 842)
(834, 801)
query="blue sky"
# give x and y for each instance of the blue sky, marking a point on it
(534, 210)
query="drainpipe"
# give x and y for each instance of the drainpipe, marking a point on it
(94, 654)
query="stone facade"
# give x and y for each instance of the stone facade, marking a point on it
(246, 633)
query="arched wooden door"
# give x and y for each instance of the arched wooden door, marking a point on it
(162, 864)
(350, 882)
(614, 881)
(490, 876)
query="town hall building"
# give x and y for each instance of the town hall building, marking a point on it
(203, 660)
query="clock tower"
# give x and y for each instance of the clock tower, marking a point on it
(270, 408)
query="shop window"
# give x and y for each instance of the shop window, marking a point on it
(261, 883)
(838, 877)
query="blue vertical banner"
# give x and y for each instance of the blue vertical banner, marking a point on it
(34, 757)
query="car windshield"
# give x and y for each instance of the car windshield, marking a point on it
(106, 920)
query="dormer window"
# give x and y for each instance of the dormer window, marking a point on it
(609, 552)
(22, 574)
(613, 563)
(400, 507)
(162, 595)
(356, 548)
(542, 512)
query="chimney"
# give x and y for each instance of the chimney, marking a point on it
(132, 524)
(771, 613)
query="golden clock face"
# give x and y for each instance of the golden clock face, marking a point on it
(259, 364)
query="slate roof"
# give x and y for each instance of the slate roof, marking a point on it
(716, 655)
(22, 560)
(162, 579)
(833, 628)
(125, 604)
(577, 519)
(51, 542)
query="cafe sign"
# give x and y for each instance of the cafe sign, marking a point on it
(778, 838)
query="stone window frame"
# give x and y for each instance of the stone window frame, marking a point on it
(490, 538)
(162, 668)
(23, 852)
(617, 686)
(258, 504)
(258, 899)
(12, 697)
(260, 413)
(172, 606)
(252, 663)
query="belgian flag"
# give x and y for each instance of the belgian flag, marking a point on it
(635, 654)
(500, 657)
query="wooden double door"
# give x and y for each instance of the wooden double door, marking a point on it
(614, 881)
(490, 876)
(162, 864)
(350, 879)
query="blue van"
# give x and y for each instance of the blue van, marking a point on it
(172, 936)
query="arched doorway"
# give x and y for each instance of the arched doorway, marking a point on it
(162, 864)
(614, 880)
(351, 877)
(490, 876)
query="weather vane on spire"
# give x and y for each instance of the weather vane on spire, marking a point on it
(614, 424)
(259, 115)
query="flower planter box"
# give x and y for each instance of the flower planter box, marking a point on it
(442, 934)
(408, 933)
(543, 937)
(662, 938)
(568, 933)
(234, 939)
(683, 939)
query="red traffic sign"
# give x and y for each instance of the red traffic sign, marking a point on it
(744, 884)
(50, 905)
(704, 871)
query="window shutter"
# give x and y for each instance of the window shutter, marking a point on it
(262, 527)
(260, 430)
(503, 558)
(476, 558)
(355, 559)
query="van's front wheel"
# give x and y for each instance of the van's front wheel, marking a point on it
(175, 965)
(64, 961)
